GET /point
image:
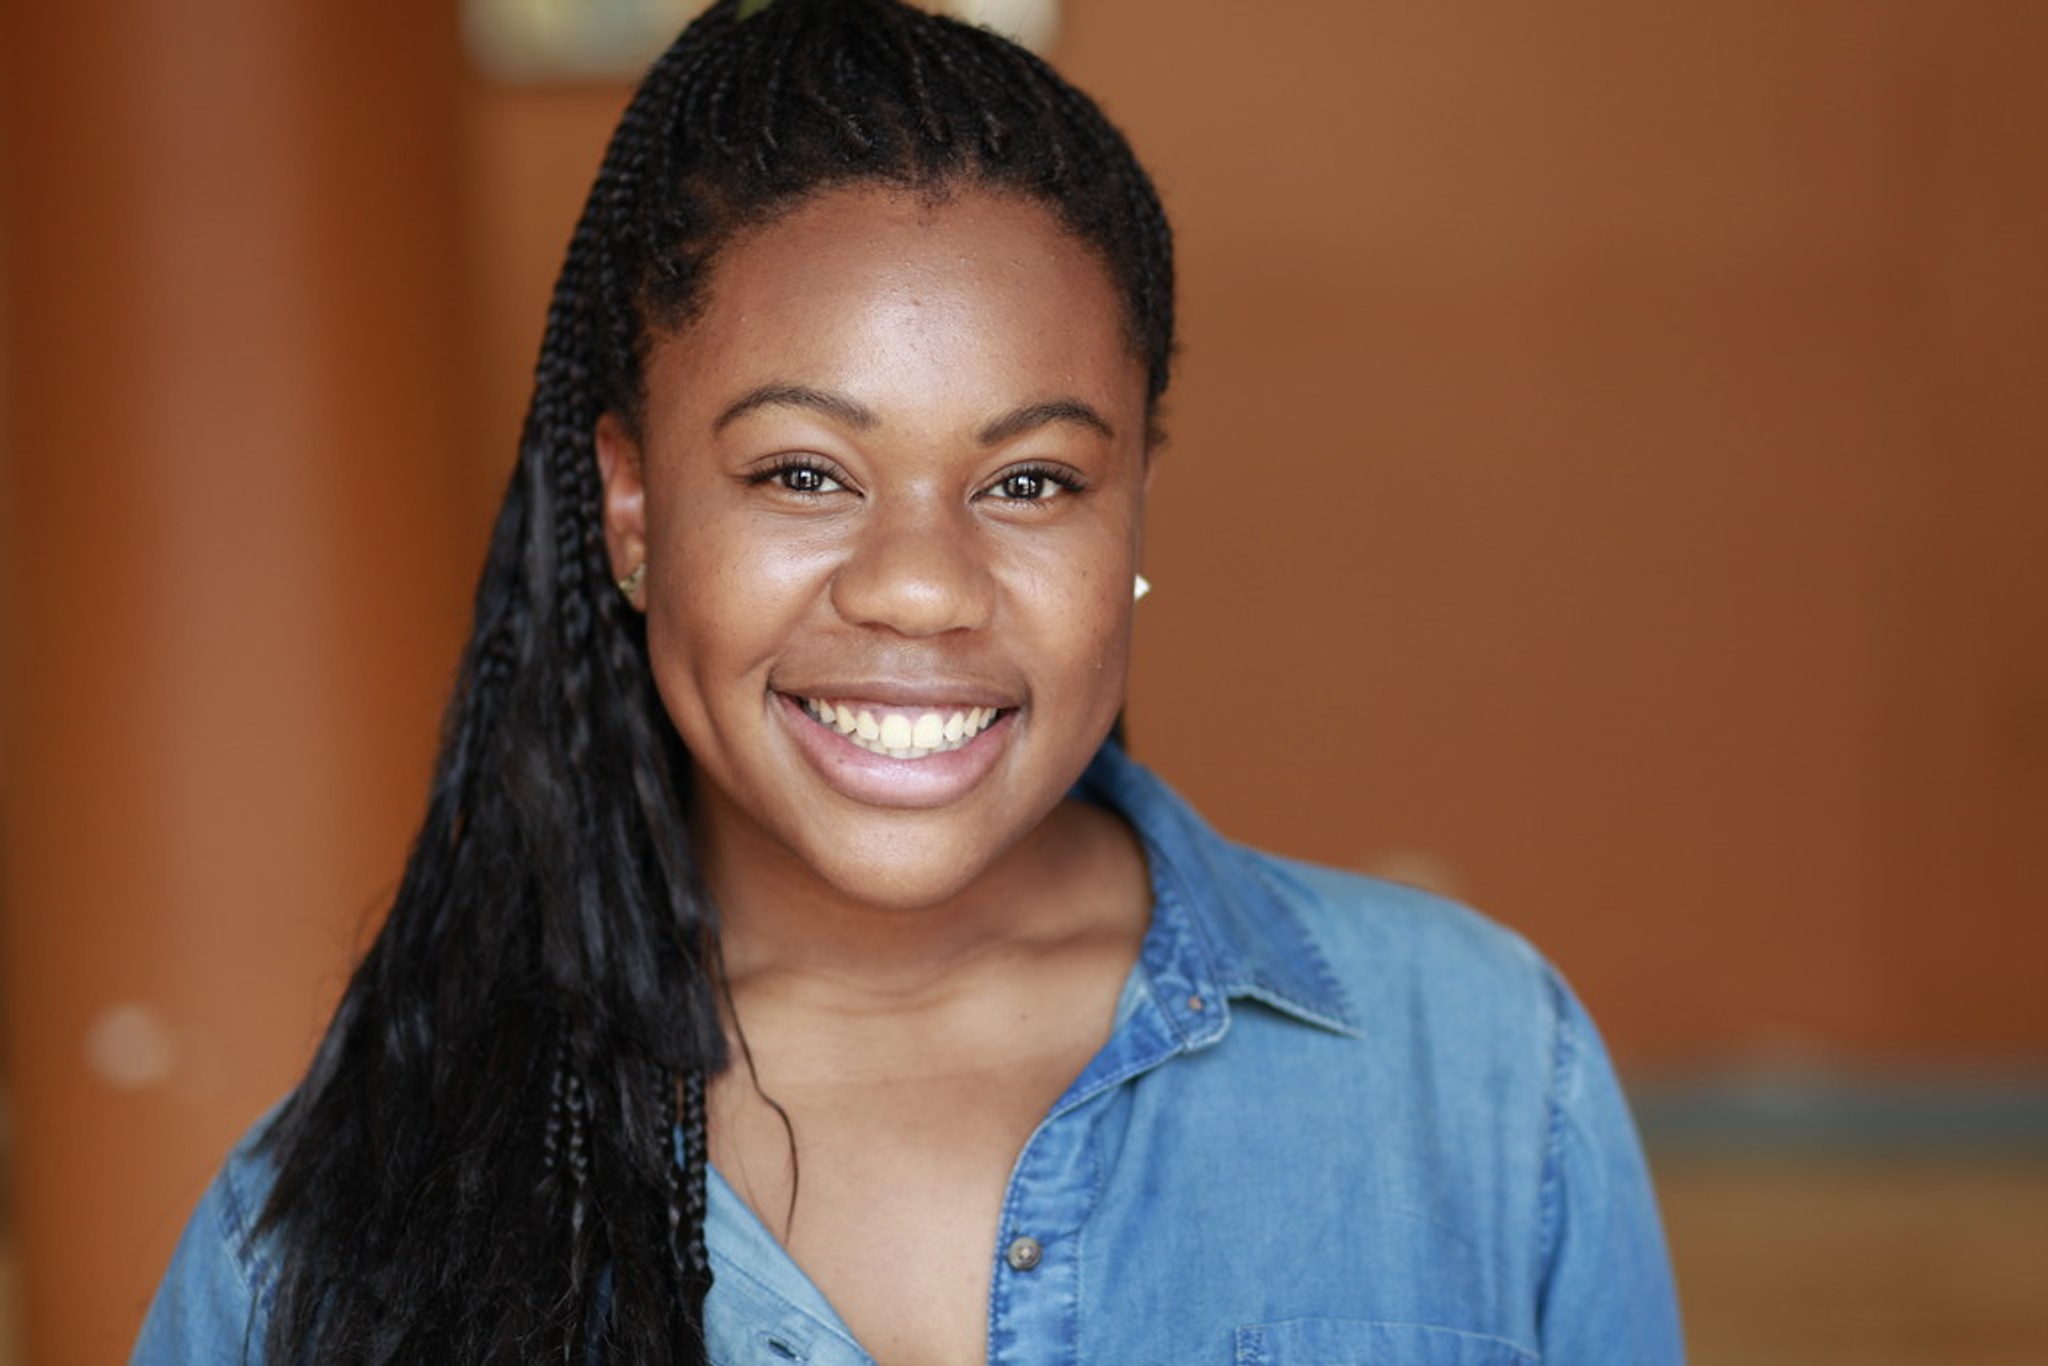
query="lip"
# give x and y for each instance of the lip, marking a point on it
(879, 781)
(872, 779)
(906, 692)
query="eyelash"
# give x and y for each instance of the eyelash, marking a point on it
(1057, 477)
(784, 466)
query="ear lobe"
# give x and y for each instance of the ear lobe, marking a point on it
(619, 463)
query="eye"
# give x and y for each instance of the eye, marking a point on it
(805, 476)
(1034, 484)
(806, 479)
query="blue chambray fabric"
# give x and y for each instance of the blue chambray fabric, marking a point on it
(1338, 1121)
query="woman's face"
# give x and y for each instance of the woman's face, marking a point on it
(889, 486)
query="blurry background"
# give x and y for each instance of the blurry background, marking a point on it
(1608, 480)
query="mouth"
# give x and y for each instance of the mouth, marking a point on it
(897, 732)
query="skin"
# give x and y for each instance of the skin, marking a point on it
(898, 458)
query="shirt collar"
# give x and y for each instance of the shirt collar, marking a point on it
(1224, 924)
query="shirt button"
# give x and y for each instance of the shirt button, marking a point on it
(1197, 1004)
(1024, 1254)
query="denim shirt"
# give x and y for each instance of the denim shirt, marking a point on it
(1337, 1121)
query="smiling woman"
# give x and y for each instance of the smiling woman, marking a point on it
(894, 470)
(793, 965)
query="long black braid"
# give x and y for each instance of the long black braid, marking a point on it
(499, 1151)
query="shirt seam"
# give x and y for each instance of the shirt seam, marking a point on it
(252, 1268)
(724, 1265)
(1550, 1190)
(1256, 1333)
(246, 1258)
(1193, 955)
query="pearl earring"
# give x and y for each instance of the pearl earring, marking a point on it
(1140, 588)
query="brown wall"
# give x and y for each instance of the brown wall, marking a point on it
(1609, 476)
(236, 563)
(1612, 471)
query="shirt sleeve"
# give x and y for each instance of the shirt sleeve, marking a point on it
(1608, 1294)
(212, 1302)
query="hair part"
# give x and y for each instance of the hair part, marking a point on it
(499, 1151)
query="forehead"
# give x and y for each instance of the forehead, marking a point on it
(860, 285)
(869, 235)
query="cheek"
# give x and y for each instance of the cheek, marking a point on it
(1085, 622)
(727, 577)
(712, 615)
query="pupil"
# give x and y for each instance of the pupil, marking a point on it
(1026, 485)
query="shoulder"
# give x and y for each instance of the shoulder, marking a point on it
(1372, 914)
(1460, 1009)
(1393, 949)
(1316, 942)
(1440, 1001)
(214, 1300)
(1507, 1050)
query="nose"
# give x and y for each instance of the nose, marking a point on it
(918, 570)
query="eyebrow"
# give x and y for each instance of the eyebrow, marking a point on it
(797, 396)
(1043, 414)
(862, 418)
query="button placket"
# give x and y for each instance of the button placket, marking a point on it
(1034, 1296)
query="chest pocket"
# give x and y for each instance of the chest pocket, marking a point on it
(1351, 1342)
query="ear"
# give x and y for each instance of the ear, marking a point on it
(620, 464)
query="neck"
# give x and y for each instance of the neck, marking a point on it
(1077, 875)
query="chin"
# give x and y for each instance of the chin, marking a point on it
(906, 883)
(910, 862)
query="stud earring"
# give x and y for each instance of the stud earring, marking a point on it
(1140, 588)
(630, 585)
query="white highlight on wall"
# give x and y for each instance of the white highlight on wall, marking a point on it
(1034, 23)
(613, 40)
(130, 1047)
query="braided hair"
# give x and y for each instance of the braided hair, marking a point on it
(498, 1153)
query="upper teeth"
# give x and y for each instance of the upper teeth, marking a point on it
(901, 734)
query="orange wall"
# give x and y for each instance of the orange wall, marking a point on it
(1612, 469)
(1609, 476)
(236, 563)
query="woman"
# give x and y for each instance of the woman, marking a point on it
(792, 965)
